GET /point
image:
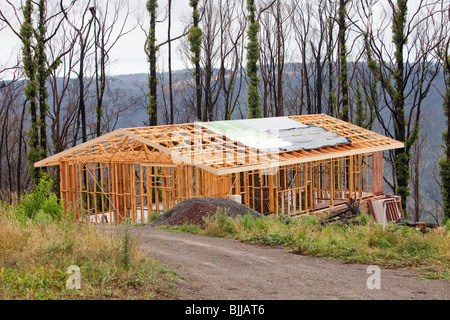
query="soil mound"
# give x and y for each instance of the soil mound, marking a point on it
(193, 210)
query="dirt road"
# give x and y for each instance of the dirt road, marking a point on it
(218, 269)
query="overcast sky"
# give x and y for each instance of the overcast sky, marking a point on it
(128, 55)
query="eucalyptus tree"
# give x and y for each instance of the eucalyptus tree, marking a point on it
(31, 88)
(37, 69)
(195, 43)
(151, 50)
(343, 72)
(253, 54)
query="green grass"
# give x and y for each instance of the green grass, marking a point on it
(35, 255)
(397, 246)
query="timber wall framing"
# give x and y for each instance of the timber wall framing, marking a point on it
(106, 192)
(131, 173)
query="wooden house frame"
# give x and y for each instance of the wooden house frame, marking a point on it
(130, 173)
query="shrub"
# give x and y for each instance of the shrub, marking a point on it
(224, 222)
(310, 220)
(247, 221)
(365, 219)
(381, 239)
(262, 224)
(446, 223)
(286, 219)
(220, 224)
(41, 204)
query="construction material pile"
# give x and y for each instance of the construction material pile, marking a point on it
(387, 210)
(194, 210)
(344, 215)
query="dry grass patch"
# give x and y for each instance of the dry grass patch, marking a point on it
(34, 257)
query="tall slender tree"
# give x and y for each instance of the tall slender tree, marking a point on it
(279, 111)
(320, 57)
(44, 69)
(100, 65)
(331, 94)
(151, 49)
(370, 89)
(83, 32)
(253, 98)
(169, 55)
(31, 89)
(302, 20)
(195, 46)
(110, 24)
(343, 74)
(37, 69)
(401, 155)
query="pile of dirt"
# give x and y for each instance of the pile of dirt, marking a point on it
(193, 215)
(193, 210)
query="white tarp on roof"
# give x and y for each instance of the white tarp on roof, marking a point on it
(275, 134)
(275, 123)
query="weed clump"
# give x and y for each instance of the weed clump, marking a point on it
(126, 243)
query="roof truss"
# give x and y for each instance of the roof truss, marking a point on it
(194, 144)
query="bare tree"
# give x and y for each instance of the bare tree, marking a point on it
(64, 91)
(301, 27)
(13, 162)
(232, 30)
(275, 24)
(320, 52)
(110, 25)
(169, 56)
(211, 84)
(418, 152)
(83, 29)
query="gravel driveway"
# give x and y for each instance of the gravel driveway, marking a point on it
(216, 269)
